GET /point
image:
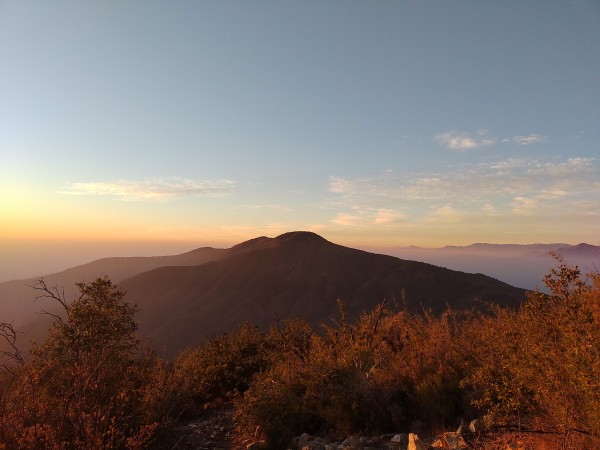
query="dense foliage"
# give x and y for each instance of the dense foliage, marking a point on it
(542, 362)
(92, 385)
(84, 386)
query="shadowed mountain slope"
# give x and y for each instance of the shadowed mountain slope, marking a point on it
(17, 303)
(297, 274)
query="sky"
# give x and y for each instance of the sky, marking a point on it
(131, 125)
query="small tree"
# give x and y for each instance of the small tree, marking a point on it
(84, 385)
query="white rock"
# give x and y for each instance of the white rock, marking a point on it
(475, 426)
(414, 443)
(401, 438)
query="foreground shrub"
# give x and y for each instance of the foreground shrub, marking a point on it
(536, 366)
(427, 365)
(84, 387)
(220, 368)
(272, 408)
(541, 363)
(331, 384)
(563, 367)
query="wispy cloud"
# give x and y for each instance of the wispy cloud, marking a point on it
(462, 141)
(363, 217)
(341, 185)
(445, 214)
(489, 210)
(525, 205)
(348, 220)
(387, 216)
(511, 186)
(157, 190)
(528, 139)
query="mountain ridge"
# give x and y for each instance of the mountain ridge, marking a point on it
(297, 274)
(187, 298)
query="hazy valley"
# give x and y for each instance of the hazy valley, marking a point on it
(523, 266)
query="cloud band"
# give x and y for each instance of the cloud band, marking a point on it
(157, 190)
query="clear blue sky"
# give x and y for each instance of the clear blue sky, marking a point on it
(373, 123)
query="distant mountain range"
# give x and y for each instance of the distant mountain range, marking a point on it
(187, 298)
(519, 265)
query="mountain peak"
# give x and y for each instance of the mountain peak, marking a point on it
(301, 237)
(293, 238)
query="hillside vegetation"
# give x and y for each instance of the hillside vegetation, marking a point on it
(93, 384)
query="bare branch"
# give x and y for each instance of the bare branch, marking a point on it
(286, 342)
(56, 316)
(9, 335)
(51, 293)
(379, 309)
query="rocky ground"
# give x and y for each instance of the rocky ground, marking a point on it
(216, 431)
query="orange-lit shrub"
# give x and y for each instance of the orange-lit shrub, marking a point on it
(327, 383)
(83, 387)
(220, 368)
(542, 363)
(427, 365)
